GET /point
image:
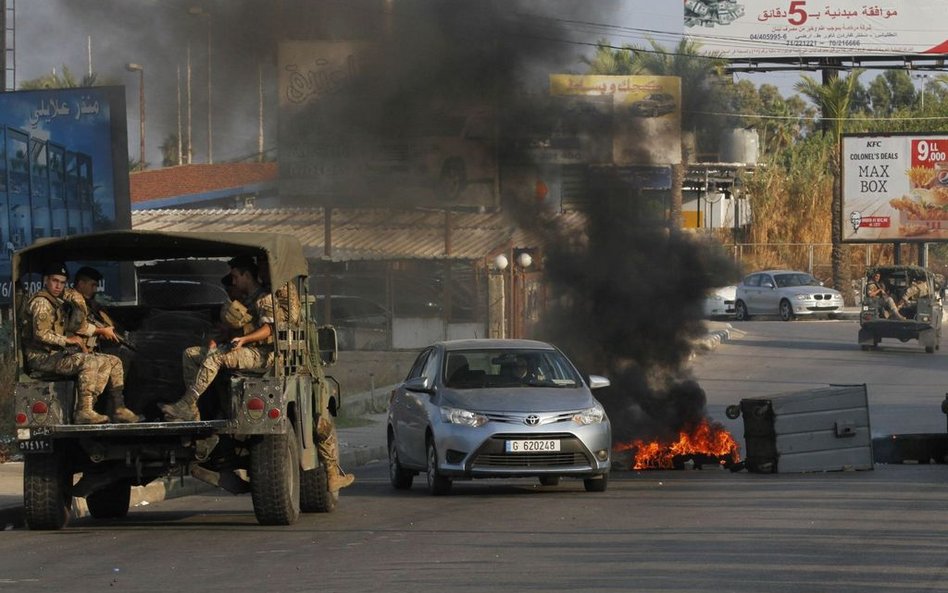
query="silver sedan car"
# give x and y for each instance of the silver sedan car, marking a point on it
(495, 409)
(786, 293)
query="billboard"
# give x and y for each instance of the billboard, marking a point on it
(645, 112)
(791, 28)
(895, 187)
(342, 145)
(63, 169)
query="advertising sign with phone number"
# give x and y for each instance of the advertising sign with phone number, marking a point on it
(789, 28)
(895, 188)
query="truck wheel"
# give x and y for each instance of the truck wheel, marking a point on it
(46, 491)
(275, 479)
(110, 502)
(315, 496)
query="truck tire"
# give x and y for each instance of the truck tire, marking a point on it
(315, 496)
(110, 502)
(46, 491)
(275, 479)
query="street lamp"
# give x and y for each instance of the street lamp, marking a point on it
(198, 11)
(922, 77)
(132, 67)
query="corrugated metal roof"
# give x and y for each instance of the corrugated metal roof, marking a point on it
(363, 234)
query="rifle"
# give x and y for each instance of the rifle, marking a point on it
(91, 342)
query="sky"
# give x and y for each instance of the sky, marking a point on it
(156, 34)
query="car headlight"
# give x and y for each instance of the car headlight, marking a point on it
(803, 297)
(593, 415)
(465, 417)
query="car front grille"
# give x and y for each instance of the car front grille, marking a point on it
(541, 419)
(822, 297)
(491, 454)
(528, 460)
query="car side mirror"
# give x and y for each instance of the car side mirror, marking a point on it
(598, 382)
(419, 385)
(326, 344)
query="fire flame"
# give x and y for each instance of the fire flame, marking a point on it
(707, 438)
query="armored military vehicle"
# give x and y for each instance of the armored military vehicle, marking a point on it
(913, 313)
(257, 428)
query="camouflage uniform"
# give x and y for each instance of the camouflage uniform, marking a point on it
(46, 351)
(258, 355)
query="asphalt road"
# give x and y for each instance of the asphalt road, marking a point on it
(689, 531)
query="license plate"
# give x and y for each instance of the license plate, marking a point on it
(533, 446)
(36, 446)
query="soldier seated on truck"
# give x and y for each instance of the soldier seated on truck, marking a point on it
(918, 288)
(50, 348)
(876, 289)
(252, 350)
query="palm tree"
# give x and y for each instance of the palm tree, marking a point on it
(54, 80)
(834, 97)
(696, 71)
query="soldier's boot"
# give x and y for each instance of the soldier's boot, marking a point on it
(183, 410)
(121, 414)
(337, 479)
(85, 414)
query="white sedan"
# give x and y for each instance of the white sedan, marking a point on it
(720, 302)
(786, 293)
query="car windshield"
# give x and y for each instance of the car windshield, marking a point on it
(795, 279)
(477, 369)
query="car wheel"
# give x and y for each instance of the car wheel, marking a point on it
(596, 484)
(400, 477)
(549, 480)
(740, 311)
(786, 310)
(438, 485)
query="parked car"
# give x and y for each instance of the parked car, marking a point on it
(497, 408)
(916, 293)
(360, 323)
(653, 105)
(786, 293)
(720, 302)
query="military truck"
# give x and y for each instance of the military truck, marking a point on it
(257, 427)
(916, 294)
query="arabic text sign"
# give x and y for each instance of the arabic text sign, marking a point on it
(646, 113)
(63, 168)
(787, 28)
(895, 188)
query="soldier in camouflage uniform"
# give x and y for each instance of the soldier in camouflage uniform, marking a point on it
(327, 445)
(49, 349)
(252, 350)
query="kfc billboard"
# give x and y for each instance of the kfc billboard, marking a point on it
(791, 28)
(895, 187)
